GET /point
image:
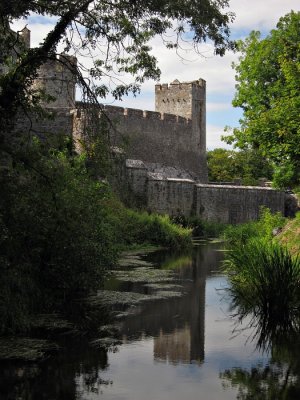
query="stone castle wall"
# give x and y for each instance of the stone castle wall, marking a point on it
(162, 147)
(57, 121)
(217, 203)
(154, 137)
(235, 204)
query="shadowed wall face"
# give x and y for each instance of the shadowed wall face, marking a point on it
(214, 203)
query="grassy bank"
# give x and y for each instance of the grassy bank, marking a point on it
(199, 227)
(239, 235)
(143, 229)
(264, 274)
(290, 235)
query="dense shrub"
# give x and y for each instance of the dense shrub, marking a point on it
(200, 227)
(264, 280)
(60, 230)
(155, 229)
(56, 239)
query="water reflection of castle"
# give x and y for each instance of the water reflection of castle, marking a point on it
(178, 324)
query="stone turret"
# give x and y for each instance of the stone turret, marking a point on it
(25, 35)
(57, 79)
(187, 99)
(19, 39)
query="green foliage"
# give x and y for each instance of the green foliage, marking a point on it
(268, 76)
(60, 230)
(141, 229)
(285, 175)
(290, 235)
(199, 227)
(268, 221)
(264, 281)
(144, 228)
(245, 165)
(56, 237)
(265, 270)
(119, 33)
(239, 235)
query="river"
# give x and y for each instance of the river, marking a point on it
(181, 345)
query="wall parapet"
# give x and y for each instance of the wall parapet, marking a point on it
(145, 114)
(231, 204)
(116, 111)
(179, 85)
(236, 187)
(180, 180)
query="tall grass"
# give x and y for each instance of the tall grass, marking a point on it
(265, 284)
(143, 228)
(199, 227)
(237, 235)
(290, 235)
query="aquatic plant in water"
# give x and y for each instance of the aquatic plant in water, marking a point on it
(27, 349)
(265, 286)
(144, 274)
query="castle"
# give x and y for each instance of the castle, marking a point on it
(165, 155)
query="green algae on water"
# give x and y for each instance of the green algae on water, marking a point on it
(25, 349)
(145, 274)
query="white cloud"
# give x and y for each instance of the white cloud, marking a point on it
(215, 106)
(38, 30)
(213, 137)
(260, 15)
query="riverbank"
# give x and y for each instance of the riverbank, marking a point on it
(290, 235)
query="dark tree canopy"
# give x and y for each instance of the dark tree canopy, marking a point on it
(119, 30)
(268, 81)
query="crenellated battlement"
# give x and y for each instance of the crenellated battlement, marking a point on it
(176, 85)
(115, 112)
(173, 134)
(186, 99)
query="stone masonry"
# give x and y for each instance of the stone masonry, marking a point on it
(165, 150)
(164, 136)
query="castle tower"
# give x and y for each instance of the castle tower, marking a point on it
(187, 99)
(25, 35)
(57, 79)
(21, 40)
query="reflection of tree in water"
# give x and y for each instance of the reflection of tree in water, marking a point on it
(56, 378)
(280, 380)
(276, 333)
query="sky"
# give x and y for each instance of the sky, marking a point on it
(215, 70)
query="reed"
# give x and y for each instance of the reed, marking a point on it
(265, 285)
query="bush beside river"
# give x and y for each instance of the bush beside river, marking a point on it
(61, 231)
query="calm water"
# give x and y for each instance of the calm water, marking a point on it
(176, 348)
